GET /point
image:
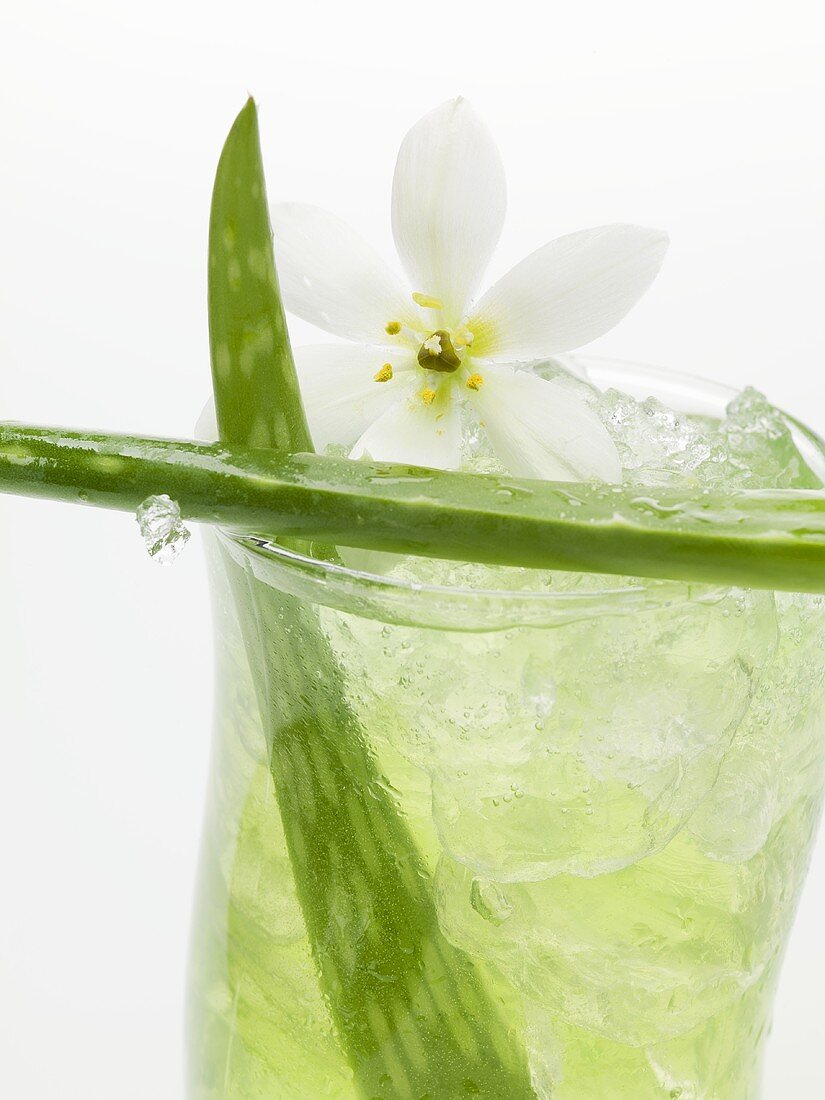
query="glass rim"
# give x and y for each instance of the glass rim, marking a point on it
(348, 587)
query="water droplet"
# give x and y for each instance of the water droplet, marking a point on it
(161, 528)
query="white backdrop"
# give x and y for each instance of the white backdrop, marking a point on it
(702, 119)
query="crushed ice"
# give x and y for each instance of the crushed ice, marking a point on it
(162, 528)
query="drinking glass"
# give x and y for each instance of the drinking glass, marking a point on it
(510, 834)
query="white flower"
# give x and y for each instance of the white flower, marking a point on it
(395, 395)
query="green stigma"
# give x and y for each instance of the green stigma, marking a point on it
(438, 353)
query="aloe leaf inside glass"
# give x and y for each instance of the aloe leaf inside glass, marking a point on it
(412, 1012)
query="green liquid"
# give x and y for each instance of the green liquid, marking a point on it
(565, 863)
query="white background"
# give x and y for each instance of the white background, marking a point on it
(702, 118)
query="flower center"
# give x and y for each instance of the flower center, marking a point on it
(442, 350)
(438, 353)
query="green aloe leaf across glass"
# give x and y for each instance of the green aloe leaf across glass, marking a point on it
(753, 538)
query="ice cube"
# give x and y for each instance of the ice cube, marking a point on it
(759, 446)
(777, 755)
(751, 447)
(580, 749)
(721, 1057)
(649, 952)
(571, 1063)
(161, 528)
(657, 446)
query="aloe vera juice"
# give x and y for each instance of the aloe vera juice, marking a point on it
(499, 832)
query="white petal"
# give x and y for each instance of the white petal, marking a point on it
(413, 433)
(206, 427)
(340, 393)
(332, 278)
(448, 203)
(541, 429)
(567, 293)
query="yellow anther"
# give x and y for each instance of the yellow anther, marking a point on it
(392, 328)
(385, 374)
(428, 396)
(425, 301)
(475, 382)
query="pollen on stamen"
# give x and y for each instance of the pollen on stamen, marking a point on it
(475, 382)
(383, 375)
(392, 328)
(426, 301)
(428, 396)
(462, 338)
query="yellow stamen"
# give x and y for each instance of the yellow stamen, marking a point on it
(425, 301)
(475, 382)
(385, 374)
(392, 328)
(428, 396)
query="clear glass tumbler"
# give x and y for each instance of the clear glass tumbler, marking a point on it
(505, 841)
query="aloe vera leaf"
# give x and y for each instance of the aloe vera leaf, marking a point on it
(760, 538)
(257, 400)
(413, 1014)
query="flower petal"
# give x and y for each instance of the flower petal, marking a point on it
(448, 201)
(340, 393)
(332, 278)
(567, 293)
(542, 429)
(415, 433)
(206, 427)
